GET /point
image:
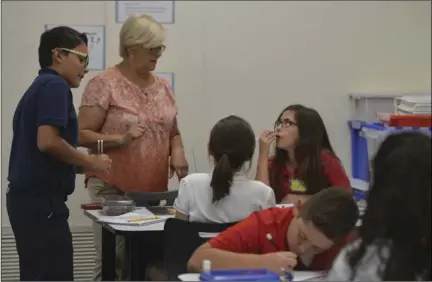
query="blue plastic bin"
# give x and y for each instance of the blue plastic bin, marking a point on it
(240, 275)
(360, 189)
(361, 143)
(360, 192)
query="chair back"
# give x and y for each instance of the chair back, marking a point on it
(145, 199)
(181, 240)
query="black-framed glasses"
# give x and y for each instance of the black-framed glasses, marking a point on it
(285, 123)
(83, 57)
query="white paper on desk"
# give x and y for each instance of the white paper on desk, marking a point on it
(308, 275)
(124, 218)
(208, 234)
(189, 277)
(287, 205)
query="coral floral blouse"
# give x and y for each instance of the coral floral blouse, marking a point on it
(143, 164)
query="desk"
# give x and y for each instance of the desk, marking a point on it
(133, 235)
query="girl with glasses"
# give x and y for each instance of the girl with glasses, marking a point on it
(304, 162)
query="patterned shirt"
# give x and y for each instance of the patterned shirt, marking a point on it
(143, 164)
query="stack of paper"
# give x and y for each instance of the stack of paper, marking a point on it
(208, 234)
(414, 105)
(287, 205)
(308, 275)
(139, 217)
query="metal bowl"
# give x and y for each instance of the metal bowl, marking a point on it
(117, 205)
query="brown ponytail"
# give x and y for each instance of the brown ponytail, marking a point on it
(232, 143)
(222, 178)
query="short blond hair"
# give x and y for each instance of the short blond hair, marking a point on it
(141, 30)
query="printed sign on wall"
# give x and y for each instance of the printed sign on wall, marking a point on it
(161, 11)
(168, 76)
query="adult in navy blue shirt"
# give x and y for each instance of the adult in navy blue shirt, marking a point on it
(43, 159)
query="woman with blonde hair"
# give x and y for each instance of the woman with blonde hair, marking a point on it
(133, 111)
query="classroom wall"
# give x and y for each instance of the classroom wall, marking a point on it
(250, 58)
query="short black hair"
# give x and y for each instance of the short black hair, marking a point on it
(232, 143)
(333, 211)
(58, 37)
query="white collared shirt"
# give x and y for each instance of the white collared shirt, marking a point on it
(246, 196)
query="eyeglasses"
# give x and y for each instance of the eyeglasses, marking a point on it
(284, 123)
(157, 50)
(83, 57)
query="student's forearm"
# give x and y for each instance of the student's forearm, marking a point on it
(182, 216)
(221, 259)
(65, 152)
(89, 139)
(262, 173)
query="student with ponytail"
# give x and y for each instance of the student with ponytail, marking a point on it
(222, 178)
(226, 194)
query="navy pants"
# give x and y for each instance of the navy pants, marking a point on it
(42, 236)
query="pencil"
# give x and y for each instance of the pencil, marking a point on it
(270, 238)
(143, 219)
(287, 275)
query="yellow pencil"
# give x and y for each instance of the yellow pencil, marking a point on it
(143, 219)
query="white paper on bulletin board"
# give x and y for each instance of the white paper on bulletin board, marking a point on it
(168, 76)
(96, 43)
(161, 11)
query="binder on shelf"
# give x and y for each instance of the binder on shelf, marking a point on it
(414, 105)
(405, 120)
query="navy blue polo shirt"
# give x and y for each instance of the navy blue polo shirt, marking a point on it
(48, 101)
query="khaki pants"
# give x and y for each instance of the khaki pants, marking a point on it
(98, 189)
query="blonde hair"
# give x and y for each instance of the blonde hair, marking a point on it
(141, 30)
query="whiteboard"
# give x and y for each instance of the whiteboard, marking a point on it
(168, 76)
(161, 11)
(96, 43)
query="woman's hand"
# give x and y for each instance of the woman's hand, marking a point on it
(135, 131)
(91, 120)
(265, 141)
(178, 163)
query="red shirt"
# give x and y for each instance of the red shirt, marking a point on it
(249, 236)
(331, 169)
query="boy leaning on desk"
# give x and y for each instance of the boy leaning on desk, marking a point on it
(305, 237)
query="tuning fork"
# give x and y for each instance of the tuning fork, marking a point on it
(100, 144)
